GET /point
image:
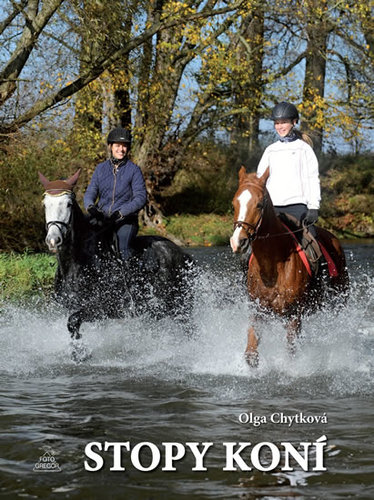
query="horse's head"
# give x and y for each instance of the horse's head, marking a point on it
(249, 204)
(58, 202)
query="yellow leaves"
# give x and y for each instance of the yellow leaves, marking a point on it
(44, 87)
(175, 8)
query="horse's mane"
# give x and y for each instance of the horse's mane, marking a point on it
(84, 237)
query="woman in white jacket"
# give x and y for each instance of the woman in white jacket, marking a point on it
(293, 183)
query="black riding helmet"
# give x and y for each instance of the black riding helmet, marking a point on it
(284, 111)
(119, 134)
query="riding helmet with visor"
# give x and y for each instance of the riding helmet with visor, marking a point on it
(119, 134)
(284, 111)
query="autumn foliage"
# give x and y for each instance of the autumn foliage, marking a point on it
(194, 80)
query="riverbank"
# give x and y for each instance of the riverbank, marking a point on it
(29, 275)
(23, 276)
(202, 230)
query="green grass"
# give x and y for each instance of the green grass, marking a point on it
(197, 230)
(25, 275)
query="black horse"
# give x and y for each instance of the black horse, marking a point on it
(93, 283)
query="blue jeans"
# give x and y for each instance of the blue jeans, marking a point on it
(126, 235)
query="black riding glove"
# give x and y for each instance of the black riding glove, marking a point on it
(311, 217)
(116, 217)
(95, 213)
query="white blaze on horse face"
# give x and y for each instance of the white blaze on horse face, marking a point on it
(57, 215)
(243, 200)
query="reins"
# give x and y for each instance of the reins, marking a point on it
(59, 224)
(268, 235)
(255, 227)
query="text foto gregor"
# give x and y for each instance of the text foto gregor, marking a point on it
(242, 456)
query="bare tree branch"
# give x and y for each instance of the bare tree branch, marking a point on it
(35, 23)
(17, 9)
(284, 71)
(99, 66)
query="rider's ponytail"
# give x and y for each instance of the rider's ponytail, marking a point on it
(304, 137)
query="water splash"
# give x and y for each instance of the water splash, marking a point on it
(335, 354)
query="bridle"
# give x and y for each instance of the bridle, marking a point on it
(251, 230)
(58, 223)
(247, 227)
(62, 226)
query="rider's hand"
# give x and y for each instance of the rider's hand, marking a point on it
(311, 217)
(116, 217)
(95, 213)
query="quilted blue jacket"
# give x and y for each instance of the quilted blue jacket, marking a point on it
(122, 190)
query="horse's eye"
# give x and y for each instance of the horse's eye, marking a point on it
(260, 205)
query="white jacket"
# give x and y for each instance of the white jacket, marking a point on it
(293, 173)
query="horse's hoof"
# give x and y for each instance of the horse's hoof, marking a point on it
(79, 352)
(252, 359)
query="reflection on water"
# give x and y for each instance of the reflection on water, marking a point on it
(149, 381)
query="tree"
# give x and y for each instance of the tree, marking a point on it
(160, 141)
(35, 18)
(37, 13)
(317, 31)
(248, 46)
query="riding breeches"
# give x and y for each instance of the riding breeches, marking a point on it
(297, 210)
(126, 235)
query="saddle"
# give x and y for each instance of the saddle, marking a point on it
(311, 247)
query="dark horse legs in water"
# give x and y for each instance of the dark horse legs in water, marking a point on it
(74, 322)
(92, 284)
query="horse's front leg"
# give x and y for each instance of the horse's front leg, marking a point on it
(251, 351)
(79, 351)
(293, 331)
(74, 323)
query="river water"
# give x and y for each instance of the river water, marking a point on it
(147, 382)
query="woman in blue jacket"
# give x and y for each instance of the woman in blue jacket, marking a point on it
(117, 191)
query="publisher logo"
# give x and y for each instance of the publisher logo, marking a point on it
(47, 462)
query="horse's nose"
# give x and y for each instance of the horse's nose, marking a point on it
(53, 243)
(233, 244)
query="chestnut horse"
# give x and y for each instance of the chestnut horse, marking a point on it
(277, 278)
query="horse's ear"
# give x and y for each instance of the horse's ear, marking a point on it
(43, 180)
(242, 173)
(73, 179)
(264, 177)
